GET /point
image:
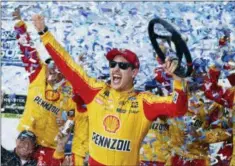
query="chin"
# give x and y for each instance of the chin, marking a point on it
(24, 156)
(116, 87)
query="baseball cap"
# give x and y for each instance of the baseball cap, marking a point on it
(130, 56)
(27, 134)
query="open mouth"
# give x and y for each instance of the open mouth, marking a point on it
(117, 79)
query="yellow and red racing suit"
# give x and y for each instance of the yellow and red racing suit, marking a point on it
(44, 103)
(118, 121)
(155, 146)
(192, 134)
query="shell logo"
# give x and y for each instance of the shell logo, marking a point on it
(52, 95)
(111, 123)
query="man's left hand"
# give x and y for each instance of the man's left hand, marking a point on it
(170, 66)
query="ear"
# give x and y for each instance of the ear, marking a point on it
(134, 72)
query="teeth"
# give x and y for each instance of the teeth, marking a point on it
(118, 76)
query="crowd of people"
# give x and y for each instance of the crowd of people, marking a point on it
(113, 124)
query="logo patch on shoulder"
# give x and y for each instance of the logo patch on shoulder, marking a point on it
(175, 97)
(132, 98)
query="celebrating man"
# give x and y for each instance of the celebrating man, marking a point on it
(119, 118)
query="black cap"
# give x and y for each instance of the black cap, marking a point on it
(48, 60)
(27, 134)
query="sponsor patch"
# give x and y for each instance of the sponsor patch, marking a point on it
(111, 123)
(106, 93)
(52, 95)
(160, 126)
(46, 105)
(119, 110)
(134, 105)
(134, 111)
(175, 97)
(132, 98)
(111, 143)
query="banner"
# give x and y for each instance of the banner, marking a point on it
(13, 105)
(9, 51)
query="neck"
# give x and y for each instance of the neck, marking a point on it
(125, 90)
(128, 88)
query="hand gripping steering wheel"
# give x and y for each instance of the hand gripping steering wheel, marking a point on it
(180, 45)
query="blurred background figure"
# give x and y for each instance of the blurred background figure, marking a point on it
(23, 154)
(49, 95)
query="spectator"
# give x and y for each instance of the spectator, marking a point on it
(23, 154)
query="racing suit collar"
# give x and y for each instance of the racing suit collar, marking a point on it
(122, 94)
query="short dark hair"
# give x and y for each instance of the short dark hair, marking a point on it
(48, 60)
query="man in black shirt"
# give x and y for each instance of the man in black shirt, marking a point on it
(22, 155)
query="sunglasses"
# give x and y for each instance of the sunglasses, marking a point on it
(121, 65)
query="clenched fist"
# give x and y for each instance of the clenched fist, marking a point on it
(38, 22)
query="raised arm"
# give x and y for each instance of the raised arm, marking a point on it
(29, 56)
(85, 86)
(171, 106)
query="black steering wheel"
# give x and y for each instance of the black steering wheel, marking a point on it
(180, 45)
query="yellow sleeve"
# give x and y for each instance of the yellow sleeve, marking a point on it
(80, 138)
(83, 85)
(79, 160)
(27, 121)
(216, 135)
(171, 106)
(68, 102)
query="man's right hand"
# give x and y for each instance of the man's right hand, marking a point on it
(61, 142)
(38, 22)
(59, 120)
(68, 161)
